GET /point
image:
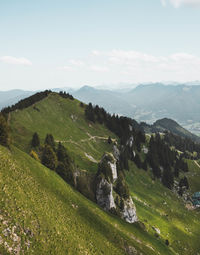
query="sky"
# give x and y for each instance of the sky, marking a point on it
(65, 43)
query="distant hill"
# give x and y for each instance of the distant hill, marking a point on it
(172, 126)
(111, 100)
(11, 97)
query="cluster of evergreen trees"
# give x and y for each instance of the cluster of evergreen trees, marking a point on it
(165, 162)
(183, 144)
(66, 95)
(123, 127)
(54, 157)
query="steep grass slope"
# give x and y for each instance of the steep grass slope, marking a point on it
(41, 214)
(65, 120)
(157, 207)
(161, 209)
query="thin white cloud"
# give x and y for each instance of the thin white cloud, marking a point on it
(133, 66)
(179, 3)
(16, 61)
(98, 68)
(77, 63)
(66, 68)
(96, 53)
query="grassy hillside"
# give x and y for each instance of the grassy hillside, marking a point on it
(41, 214)
(64, 218)
(65, 120)
(159, 208)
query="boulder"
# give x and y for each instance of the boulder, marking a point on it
(129, 211)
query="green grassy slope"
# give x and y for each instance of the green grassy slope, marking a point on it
(159, 208)
(41, 214)
(156, 206)
(65, 120)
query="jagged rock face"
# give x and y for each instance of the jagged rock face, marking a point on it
(130, 142)
(116, 152)
(129, 211)
(104, 195)
(114, 170)
(110, 161)
(145, 149)
(104, 189)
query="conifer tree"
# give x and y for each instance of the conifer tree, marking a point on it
(63, 156)
(35, 140)
(144, 165)
(4, 131)
(49, 158)
(167, 178)
(49, 140)
(138, 161)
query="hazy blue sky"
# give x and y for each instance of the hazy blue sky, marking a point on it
(56, 43)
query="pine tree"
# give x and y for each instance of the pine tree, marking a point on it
(184, 183)
(89, 113)
(144, 165)
(4, 131)
(167, 178)
(63, 156)
(49, 158)
(49, 140)
(138, 161)
(35, 140)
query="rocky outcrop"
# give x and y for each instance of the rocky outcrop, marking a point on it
(129, 211)
(104, 195)
(113, 168)
(109, 166)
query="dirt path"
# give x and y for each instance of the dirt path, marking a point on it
(93, 138)
(196, 163)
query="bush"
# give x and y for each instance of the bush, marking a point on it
(34, 155)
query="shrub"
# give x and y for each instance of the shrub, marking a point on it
(34, 155)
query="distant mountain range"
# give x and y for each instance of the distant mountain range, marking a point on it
(150, 102)
(146, 102)
(12, 96)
